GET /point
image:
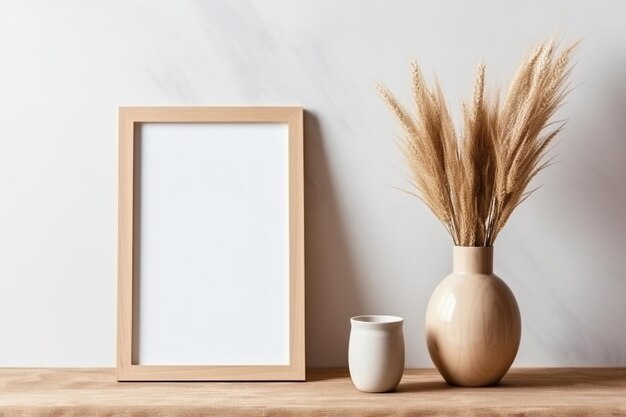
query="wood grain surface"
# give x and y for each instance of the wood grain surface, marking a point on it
(328, 392)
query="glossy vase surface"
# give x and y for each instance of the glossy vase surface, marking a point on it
(376, 352)
(473, 324)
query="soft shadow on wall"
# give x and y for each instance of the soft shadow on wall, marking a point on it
(598, 196)
(332, 291)
(566, 266)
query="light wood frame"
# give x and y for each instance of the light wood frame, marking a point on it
(129, 117)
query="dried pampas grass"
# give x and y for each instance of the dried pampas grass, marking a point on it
(474, 180)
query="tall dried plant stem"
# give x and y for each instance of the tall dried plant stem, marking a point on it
(473, 183)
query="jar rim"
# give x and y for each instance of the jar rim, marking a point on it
(376, 319)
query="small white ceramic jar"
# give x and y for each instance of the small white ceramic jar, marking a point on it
(376, 352)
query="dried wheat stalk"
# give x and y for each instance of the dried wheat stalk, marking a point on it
(473, 183)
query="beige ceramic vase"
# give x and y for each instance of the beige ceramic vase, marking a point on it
(473, 324)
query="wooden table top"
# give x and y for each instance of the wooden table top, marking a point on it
(327, 392)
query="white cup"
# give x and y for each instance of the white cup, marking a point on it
(376, 352)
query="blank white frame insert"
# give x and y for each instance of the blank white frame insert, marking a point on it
(214, 260)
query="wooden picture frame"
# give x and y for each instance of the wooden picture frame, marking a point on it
(137, 125)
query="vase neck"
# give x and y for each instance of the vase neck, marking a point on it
(474, 260)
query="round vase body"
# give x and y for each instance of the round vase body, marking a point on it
(376, 352)
(473, 324)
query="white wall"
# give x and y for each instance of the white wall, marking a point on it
(65, 67)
